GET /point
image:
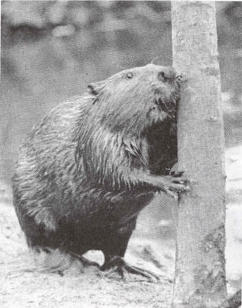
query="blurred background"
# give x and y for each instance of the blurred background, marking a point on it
(52, 49)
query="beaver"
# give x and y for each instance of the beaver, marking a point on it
(87, 170)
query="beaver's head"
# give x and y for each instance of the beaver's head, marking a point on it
(135, 99)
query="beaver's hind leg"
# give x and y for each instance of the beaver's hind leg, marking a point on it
(117, 264)
(114, 253)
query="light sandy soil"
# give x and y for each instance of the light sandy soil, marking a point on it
(22, 285)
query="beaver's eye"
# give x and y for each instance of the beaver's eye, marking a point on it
(179, 78)
(129, 75)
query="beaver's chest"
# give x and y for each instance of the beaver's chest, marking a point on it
(92, 223)
(101, 208)
(162, 145)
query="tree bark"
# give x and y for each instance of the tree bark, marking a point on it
(200, 262)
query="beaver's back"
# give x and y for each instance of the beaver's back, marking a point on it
(46, 170)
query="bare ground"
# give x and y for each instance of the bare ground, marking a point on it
(25, 284)
(22, 285)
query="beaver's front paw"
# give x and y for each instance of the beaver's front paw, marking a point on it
(175, 183)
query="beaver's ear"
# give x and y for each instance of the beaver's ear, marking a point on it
(95, 87)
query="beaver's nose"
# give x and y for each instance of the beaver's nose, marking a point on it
(167, 74)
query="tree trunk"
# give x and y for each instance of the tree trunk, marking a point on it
(200, 263)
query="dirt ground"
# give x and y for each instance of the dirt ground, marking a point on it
(25, 284)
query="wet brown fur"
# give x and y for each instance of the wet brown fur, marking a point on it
(80, 180)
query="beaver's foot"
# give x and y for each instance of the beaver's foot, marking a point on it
(117, 264)
(85, 262)
(175, 183)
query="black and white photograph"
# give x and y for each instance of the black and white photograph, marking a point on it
(121, 154)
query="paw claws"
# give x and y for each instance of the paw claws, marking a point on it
(177, 173)
(177, 184)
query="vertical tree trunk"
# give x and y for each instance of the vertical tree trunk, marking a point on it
(200, 263)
